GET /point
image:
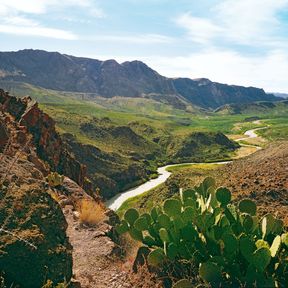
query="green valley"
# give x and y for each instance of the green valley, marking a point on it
(122, 140)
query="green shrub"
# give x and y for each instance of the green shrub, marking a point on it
(226, 245)
(54, 179)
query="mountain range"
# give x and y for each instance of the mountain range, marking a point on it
(62, 72)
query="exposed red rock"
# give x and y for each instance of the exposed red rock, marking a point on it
(49, 145)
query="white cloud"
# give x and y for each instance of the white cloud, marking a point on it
(30, 6)
(42, 6)
(268, 72)
(200, 30)
(37, 31)
(16, 16)
(234, 23)
(249, 22)
(133, 39)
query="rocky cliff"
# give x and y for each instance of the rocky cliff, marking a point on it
(108, 78)
(34, 247)
(111, 172)
(50, 148)
(33, 242)
(205, 93)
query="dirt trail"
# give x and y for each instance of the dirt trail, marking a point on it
(95, 261)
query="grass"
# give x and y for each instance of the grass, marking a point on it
(179, 167)
(90, 212)
(71, 108)
(133, 202)
(149, 198)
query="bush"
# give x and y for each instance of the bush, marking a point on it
(90, 212)
(54, 179)
(200, 233)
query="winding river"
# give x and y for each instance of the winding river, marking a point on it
(115, 202)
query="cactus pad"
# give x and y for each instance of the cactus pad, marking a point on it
(122, 227)
(275, 245)
(184, 283)
(211, 273)
(156, 257)
(172, 207)
(131, 216)
(141, 224)
(223, 195)
(248, 206)
(261, 258)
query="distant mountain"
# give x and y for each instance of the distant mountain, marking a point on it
(62, 72)
(279, 107)
(282, 95)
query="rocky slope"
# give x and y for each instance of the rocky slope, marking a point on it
(255, 107)
(262, 176)
(34, 244)
(33, 228)
(205, 93)
(198, 147)
(47, 141)
(108, 78)
(110, 172)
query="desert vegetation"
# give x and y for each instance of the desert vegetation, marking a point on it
(200, 236)
(90, 212)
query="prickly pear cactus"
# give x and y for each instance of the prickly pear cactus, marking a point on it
(229, 245)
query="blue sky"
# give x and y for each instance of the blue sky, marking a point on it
(230, 41)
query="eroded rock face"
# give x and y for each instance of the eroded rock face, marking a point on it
(47, 141)
(109, 178)
(34, 246)
(33, 242)
(3, 137)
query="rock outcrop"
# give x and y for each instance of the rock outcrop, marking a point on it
(34, 247)
(50, 147)
(33, 242)
(108, 171)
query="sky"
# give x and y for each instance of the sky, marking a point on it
(241, 42)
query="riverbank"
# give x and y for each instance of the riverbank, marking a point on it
(115, 202)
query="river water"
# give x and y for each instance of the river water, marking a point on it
(115, 202)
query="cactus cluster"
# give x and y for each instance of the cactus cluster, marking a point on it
(54, 179)
(230, 245)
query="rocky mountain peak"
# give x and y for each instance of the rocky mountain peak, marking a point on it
(108, 78)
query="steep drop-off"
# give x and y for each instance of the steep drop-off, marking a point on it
(47, 141)
(33, 242)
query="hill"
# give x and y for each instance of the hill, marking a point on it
(283, 95)
(260, 107)
(262, 176)
(117, 156)
(62, 72)
(47, 234)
